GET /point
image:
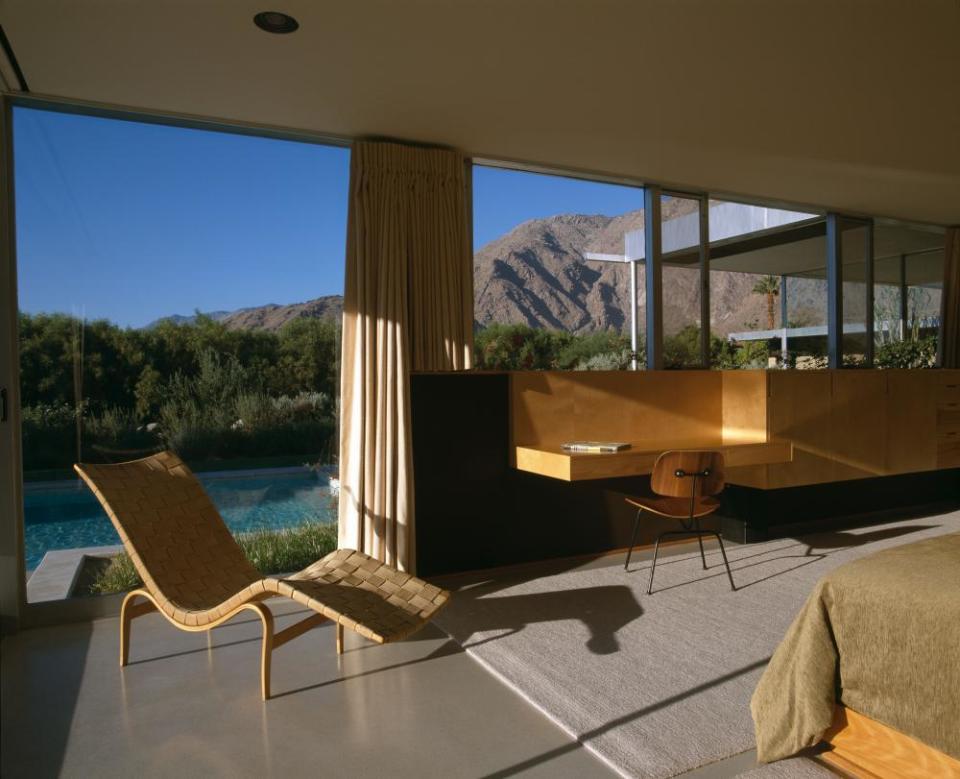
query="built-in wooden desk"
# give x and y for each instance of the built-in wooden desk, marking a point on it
(825, 444)
(639, 460)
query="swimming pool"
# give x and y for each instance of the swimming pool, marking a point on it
(66, 515)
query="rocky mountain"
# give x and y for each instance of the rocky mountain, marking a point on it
(273, 316)
(536, 275)
(269, 317)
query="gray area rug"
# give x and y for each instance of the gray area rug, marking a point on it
(791, 768)
(658, 685)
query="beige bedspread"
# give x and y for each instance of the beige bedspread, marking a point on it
(881, 635)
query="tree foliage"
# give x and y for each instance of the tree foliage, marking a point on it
(202, 389)
(520, 347)
(130, 368)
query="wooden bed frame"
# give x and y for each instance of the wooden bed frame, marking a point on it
(864, 748)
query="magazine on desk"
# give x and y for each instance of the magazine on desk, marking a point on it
(594, 447)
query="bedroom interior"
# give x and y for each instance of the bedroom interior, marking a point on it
(819, 633)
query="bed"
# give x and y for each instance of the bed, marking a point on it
(871, 665)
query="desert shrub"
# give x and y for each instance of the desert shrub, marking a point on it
(282, 551)
(119, 576)
(919, 353)
(521, 347)
(582, 349)
(606, 361)
(751, 355)
(682, 349)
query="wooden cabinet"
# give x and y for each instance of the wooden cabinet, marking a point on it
(911, 420)
(948, 420)
(858, 424)
(799, 411)
(842, 424)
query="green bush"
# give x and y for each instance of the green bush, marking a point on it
(520, 347)
(214, 393)
(219, 413)
(606, 361)
(919, 353)
(270, 551)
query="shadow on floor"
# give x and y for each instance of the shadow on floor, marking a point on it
(835, 540)
(829, 541)
(604, 610)
(430, 632)
(33, 667)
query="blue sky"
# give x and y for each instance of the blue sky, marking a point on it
(133, 222)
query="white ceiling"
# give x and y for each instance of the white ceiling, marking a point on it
(838, 103)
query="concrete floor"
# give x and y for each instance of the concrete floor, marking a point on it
(189, 705)
(182, 708)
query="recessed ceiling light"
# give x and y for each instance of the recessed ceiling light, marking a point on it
(276, 22)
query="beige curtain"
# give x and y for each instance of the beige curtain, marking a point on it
(408, 305)
(950, 302)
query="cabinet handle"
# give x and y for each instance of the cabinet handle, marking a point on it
(3, 404)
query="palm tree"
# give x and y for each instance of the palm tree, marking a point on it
(769, 286)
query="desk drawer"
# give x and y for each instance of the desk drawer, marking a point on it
(948, 419)
(948, 390)
(948, 452)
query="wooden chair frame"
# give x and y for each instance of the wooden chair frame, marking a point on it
(683, 474)
(129, 611)
(198, 577)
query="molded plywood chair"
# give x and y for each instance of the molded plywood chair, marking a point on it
(686, 484)
(198, 577)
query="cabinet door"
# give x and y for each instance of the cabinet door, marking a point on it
(911, 420)
(799, 411)
(858, 426)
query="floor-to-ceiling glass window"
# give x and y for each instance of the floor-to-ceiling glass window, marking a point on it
(768, 294)
(553, 264)
(908, 281)
(178, 289)
(856, 279)
(680, 236)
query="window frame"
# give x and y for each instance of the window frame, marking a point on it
(15, 611)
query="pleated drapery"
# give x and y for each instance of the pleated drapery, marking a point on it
(408, 305)
(950, 320)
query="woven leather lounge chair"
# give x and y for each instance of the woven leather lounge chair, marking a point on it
(197, 576)
(686, 484)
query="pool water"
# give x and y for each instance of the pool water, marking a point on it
(68, 516)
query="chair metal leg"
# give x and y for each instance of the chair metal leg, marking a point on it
(724, 554)
(633, 539)
(656, 551)
(703, 557)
